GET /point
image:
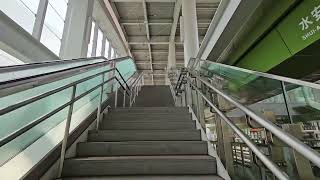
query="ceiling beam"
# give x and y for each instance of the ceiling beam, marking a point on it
(154, 40)
(164, 63)
(151, 42)
(154, 51)
(150, 22)
(118, 26)
(167, 1)
(176, 13)
(135, 22)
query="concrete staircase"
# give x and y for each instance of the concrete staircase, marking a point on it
(143, 143)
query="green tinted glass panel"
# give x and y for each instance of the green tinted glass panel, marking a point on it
(21, 117)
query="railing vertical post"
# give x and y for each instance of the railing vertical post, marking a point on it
(142, 79)
(286, 101)
(130, 98)
(124, 98)
(66, 131)
(200, 105)
(137, 88)
(185, 95)
(116, 95)
(100, 101)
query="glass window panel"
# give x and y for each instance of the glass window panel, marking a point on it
(8, 60)
(106, 52)
(112, 52)
(60, 6)
(54, 22)
(99, 43)
(31, 4)
(49, 39)
(91, 39)
(19, 13)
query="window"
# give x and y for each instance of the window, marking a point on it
(112, 53)
(99, 43)
(90, 45)
(53, 24)
(23, 12)
(8, 60)
(106, 52)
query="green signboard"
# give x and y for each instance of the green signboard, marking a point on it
(299, 29)
(302, 26)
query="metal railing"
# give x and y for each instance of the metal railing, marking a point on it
(31, 82)
(17, 85)
(291, 141)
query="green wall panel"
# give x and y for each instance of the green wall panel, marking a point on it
(268, 53)
(302, 26)
(264, 18)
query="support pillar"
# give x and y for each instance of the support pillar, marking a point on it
(77, 34)
(171, 61)
(172, 56)
(190, 29)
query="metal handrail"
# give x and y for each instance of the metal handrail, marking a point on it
(40, 96)
(268, 163)
(21, 84)
(122, 78)
(136, 84)
(13, 107)
(20, 67)
(287, 138)
(266, 75)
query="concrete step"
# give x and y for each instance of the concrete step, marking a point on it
(149, 113)
(142, 148)
(152, 116)
(179, 177)
(144, 135)
(152, 110)
(143, 125)
(139, 165)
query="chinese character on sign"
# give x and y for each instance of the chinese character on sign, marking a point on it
(305, 23)
(316, 13)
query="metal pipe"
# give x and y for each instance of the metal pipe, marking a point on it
(116, 96)
(24, 129)
(66, 131)
(100, 102)
(287, 138)
(270, 76)
(286, 101)
(124, 98)
(122, 78)
(267, 162)
(14, 86)
(46, 94)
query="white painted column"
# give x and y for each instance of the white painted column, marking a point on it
(109, 50)
(171, 60)
(77, 29)
(103, 48)
(95, 41)
(41, 14)
(190, 29)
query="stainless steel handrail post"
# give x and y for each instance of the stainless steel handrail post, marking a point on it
(268, 163)
(66, 131)
(116, 96)
(124, 98)
(137, 88)
(130, 100)
(286, 101)
(100, 102)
